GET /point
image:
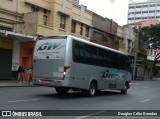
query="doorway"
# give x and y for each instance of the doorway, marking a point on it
(26, 56)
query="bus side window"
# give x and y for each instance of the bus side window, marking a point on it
(88, 54)
(121, 62)
(75, 51)
(78, 52)
(112, 63)
(94, 56)
(81, 52)
(127, 65)
(101, 54)
(107, 59)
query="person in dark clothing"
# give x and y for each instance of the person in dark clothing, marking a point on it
(20, 72)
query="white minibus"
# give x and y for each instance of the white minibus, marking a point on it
(68, 62)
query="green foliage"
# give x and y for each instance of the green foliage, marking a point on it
(151, 35)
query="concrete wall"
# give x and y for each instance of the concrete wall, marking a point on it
(15, 55)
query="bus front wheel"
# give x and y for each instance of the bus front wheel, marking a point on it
(61, 91)
(124, 90)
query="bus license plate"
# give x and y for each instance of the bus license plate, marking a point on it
(47, 82)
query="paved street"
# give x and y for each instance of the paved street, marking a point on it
(143, 95)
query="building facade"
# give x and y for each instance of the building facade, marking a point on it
(139, 11)
(104, 31)
(23, 21)
(145, 14)
(126, 37)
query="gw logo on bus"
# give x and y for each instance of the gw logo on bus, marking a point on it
(110, 74)
(50, 46)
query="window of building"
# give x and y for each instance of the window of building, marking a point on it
(145, 6)
(34, 9)
(62, 21)
(129, 44)
(98, 36)
(73, 26)
(45, 11)
(138, 12)
(81, 29)
(144, 11)
(131, 7)
(130, 18)
(138, 18)
(144, 17)
(158, 4)
(131, 13)
(158, 11)
(151, 17)
(152, 11)
(138, 6)
(45, 17)
(153, 5)
(157, 16)
(45, 20)
(87, 31)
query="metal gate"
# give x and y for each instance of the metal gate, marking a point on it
(5, 64)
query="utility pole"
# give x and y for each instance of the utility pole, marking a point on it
(135, 55)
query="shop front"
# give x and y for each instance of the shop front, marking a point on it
(15, 49)
(6, 48)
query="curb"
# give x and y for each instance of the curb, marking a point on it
(16, 84)
(3, 86)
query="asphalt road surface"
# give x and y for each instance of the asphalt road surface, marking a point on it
(143, 95)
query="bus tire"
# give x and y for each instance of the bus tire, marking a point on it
(124, 90)
(92, 89)
(61, 91)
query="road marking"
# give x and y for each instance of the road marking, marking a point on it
(146, 87)
(24, 100)
(93, 114)
(81, 117)
(145, 100)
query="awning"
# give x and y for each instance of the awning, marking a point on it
(17, 36)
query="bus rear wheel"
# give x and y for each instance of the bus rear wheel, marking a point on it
(92, 90)
(61, 91)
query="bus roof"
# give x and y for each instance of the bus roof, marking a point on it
(79, 39)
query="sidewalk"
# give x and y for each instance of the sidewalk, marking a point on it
(15, 83)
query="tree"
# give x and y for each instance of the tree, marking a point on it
(151, 35)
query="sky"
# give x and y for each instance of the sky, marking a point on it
(112, 9)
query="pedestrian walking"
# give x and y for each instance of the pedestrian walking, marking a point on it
(29, 72)
(20, 73)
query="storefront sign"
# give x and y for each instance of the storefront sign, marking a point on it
(6, 43)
